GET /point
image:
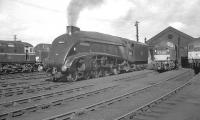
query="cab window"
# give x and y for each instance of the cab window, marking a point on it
(191, 47)
(11, 45)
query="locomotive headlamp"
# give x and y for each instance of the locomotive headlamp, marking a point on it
(64, 68)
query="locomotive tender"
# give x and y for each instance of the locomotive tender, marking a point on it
(16, 56)
(80, 54)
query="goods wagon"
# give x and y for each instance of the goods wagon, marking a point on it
(16, 56)
(83, 55)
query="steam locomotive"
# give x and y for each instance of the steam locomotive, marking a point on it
(16, 56)
(83, 55)
(164, 56)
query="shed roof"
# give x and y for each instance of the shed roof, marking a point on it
(168, 29)
(16, 42)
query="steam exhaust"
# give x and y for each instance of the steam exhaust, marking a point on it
(72, 29)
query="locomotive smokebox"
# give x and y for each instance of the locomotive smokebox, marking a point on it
(72, 29)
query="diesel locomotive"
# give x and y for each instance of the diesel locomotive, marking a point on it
(16, 56)
(194, 55)
(165, 56)
(83, 55)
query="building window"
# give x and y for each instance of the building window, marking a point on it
(170, 36)
(132, 45)
(31, 50)
(130, 53)
(1, 50)
(191, 47)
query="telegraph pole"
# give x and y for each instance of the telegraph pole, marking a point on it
(15, 37)
(145, 40)
(137, 35)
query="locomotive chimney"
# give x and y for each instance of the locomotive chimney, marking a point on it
(72, 29)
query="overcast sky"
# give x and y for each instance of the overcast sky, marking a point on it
(41, 21)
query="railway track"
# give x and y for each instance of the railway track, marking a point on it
(44, 105)
(24, 76)
(156, 108)
(30, 89)
(45, 86)
(45, 102)
(41, 96)
(15, 103)
(109, 109)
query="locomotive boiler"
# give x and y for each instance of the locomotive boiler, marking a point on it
(16, 56)
(83, 55)
(164, 56)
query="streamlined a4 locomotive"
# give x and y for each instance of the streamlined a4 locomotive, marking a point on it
(83, 55)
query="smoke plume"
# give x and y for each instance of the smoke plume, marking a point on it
(76, 6)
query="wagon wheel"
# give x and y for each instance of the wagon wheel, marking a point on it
(5, 71)
(106, 73)
(96, 74)
(115, 71)
(73, 77)
(87, 75)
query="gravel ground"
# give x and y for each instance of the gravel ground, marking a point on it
(189, 107)
(133, 102)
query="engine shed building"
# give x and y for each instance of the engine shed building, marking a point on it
(178, 38)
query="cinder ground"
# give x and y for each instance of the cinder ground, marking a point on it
(189, 108)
